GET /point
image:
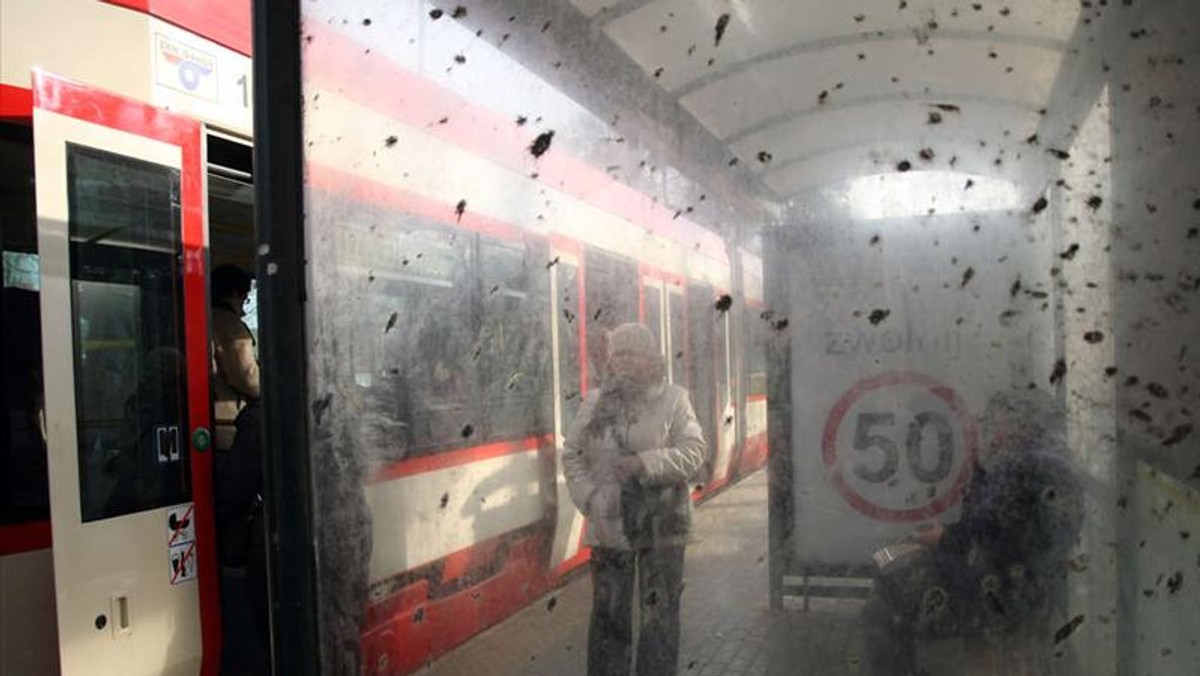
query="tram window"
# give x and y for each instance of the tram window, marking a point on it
(570, 377)
(24, 484)
(612, 299)
(513, 357)
(409, 335)
(127, 300)
(679, 340)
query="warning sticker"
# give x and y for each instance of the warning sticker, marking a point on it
(166, 439)
(181, 526)
(183, 562)
(899, 447)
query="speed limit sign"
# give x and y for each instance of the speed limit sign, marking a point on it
(899, 447)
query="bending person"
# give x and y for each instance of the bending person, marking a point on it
(628, 459)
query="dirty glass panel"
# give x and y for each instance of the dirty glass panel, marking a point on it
(929, 275)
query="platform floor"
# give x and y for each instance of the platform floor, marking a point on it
(728, 627)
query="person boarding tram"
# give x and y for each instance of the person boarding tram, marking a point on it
(628, 458)
(238, 469)
(235, 367)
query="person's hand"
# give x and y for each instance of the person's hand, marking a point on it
(929, 536)
(629, 467)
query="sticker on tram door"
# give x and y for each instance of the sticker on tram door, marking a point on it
(166, 439)
(183, 562)
(181, 526)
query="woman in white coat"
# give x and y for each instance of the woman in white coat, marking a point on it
(628, 459)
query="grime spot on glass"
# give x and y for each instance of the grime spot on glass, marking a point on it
(1040, 205)
(552, 263)
(967, 276)
(823, 97)
(859, 18)
(546, 26)
(460, 59)
(444, 501)
(459, 12)
(1094, 337)
(1059, 154)
(724, 303)
(551, 603)
(926, 154)
(1178, 434)
(391, 322)
(467, 431)
(541, 144)
(1069, 254)
(1141, 415)
(934, 117)
(878, 315)
(1060, 370)
(1157, 390)
(435, 14)
(719, 30)
(658, 72)
(460, 209)
(1175, 583)
(390, 141)
(764, 156)
(321, 406)
(903, 165)
(1065, 631)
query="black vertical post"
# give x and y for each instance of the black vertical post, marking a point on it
(279, 213)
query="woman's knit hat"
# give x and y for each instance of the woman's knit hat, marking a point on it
(632, 338)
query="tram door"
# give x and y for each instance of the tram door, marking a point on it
(124, 325)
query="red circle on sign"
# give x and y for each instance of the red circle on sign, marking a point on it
(851, 397)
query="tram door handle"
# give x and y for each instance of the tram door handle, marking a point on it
(119, 610)
(201, 439)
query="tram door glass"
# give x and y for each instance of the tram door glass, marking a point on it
(127, 299)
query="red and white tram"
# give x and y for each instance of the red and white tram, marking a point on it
(125, 174)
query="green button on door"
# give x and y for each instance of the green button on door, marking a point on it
(201, 439)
